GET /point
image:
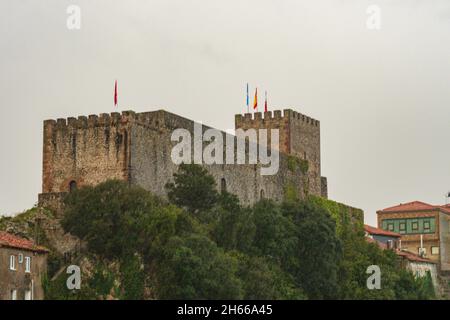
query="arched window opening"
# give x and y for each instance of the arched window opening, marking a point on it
(223, 185)
(72, 186)
(261, 194)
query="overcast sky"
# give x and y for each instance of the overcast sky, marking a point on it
(382, 96)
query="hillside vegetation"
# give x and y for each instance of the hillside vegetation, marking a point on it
(201, 244)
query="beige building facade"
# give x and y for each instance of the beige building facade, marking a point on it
(424, 229)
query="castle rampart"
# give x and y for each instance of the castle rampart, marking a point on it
(136, 147)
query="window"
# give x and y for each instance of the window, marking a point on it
(12, 262)
(390, 226)
(28, 264)
(14, 294)
(415, 225)
(223, 185)
(402, 227)
(27, 294)
(72, 186)
(390, 244)
(261, 194)
(434, 250)
(422, 251)
(20, 258)
(426, 225)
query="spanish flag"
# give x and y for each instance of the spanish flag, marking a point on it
(255, 102)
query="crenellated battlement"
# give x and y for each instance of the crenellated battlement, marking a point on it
(259, 118)
(136, 148)
(93, 120)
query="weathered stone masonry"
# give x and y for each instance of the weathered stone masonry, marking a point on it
(136, 147)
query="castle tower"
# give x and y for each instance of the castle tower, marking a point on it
(299, 137)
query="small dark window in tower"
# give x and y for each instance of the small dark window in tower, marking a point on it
(223, 185)
(72, 186)
(261, 194)
(304, 155)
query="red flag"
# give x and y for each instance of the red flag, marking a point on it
(115, 93)
(265, 104)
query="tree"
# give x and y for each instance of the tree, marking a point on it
(194, 267)
(232, 226)
(275, 235)
(193, 188)
(319, 249)
(263, 279)
(117, 220)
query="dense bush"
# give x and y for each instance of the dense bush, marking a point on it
(206, 245)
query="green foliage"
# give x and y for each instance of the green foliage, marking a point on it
(290, 193)
(206, 245)
(318, 250)
(265, 280)
(57, 289)
(195, 268)
(117, 220)
(133, 278)
(275, 235)
(348, 219)
(54, 263)
(193, 188)
(396, 283)
(233, 227)
(294, 162)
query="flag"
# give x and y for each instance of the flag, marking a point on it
(248, 99)
(115, 93)
(265, 104)
(255, 102)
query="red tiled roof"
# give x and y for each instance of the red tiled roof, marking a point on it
(380, 244)
(12, 241)
(415, 206)
(413, 257)
(381, 232)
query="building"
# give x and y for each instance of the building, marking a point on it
(424, 229)
(386, 239)
(418, 265)
(22, 267)
(136, 147)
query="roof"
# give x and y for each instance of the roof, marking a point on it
(380, 244)
(380, 232)
(404, 254)
(413, 257)
(415, 206)
(12, 241)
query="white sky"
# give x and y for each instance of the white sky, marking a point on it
(382, 97)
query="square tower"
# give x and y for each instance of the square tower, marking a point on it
(299, 137)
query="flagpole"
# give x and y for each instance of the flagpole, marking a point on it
(248, 108)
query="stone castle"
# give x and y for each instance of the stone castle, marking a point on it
(136, 147)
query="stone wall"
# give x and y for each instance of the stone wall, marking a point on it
(84, 151)
(299, 136)
(444, 240)
(152, 167)
(136, 147)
